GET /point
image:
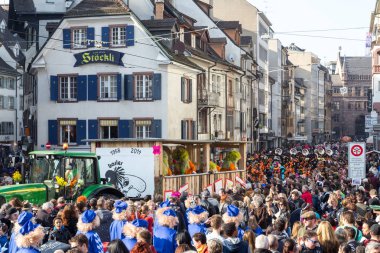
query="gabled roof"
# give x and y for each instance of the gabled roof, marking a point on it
(170, 10)
(229, 25)
(9, 40)
(5, 68)
(245, 40)
(91, 8)
(357, 65)
(23, 6)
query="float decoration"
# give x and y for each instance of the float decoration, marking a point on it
(181, 162)
(214, 167)
(17, 177)
(230, 161)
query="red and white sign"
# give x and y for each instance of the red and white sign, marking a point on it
(356, 150)
(241, 182)
(356, 160)
(218, 185)
(184, 188)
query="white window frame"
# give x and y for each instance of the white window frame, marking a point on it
(2, 100)
(11, 103)
(118, 36)
(108, 87)
(143, 128)
(108, 123)
(193, 40)
(143, 86)
(79, 37)
(182, 34)
(69, 125)
(71, 88)
(3, 25)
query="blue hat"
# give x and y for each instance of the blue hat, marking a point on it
(28, 227)
(140, 223)
(198, 210)
(88, 216)
(232, 211)
(170, 212)
(120, 206)
(24, 218)
(165, 204)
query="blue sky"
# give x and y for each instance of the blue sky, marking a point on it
(306, 15)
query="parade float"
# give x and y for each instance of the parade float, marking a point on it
(140, 167)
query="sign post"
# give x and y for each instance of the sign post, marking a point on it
(356, 161)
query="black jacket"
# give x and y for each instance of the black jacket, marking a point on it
(62, 235)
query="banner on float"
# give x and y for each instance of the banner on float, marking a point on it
(130, 170)
(241, 182)
(229, 184)
(184, 188)
(218, 185)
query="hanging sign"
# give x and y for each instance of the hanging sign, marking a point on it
(99, 56)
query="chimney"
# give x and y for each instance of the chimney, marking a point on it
(159, 9)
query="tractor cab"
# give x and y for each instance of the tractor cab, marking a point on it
(63, 173)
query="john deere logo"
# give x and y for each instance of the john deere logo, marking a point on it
(99, 56)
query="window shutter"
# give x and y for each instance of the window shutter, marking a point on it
(191, 91)
(123, 129)
(93, 129)
(53, 132)
(156, 130)
(183, 129)
(92, 87)
(105, 36)
(130, 30)
(157, 87)
(183, 89)
(90, 36)
(82, 88)
(81, 132)
(66, 38)
(54, 88)
(194, 130)
(118, 77)
(130, 129)
(128, 87)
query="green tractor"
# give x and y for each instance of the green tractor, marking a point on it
(54, 174)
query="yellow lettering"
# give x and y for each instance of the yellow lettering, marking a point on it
(96, 58)
(106, 58)
(101, 58)
(86, 58)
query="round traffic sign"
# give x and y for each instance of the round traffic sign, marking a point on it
(356, 150)
(48, 145)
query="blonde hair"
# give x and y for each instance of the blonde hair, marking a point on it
(85, 227)
(295, 229)
(32, 239)
(197, 218)
(120, 216)
(237, 219)
(169, 221)
(333, 197)
(326, 237)
(131, 231)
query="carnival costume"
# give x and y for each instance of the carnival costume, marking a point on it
(164, 232)
(233, 214)
(120, 219)
(22, 219)
(131, 230)
(197, 217)
(86, 225)
(29, 238)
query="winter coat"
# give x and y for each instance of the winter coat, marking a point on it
(62, 235)
(103, 231)
(197, 228)
(261, 216)
(116, 230)
(235, 245)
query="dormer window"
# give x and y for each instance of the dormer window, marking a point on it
(193, 40)
(16, 50)
(3, 25)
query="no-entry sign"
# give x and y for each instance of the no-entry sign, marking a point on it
(356, 160)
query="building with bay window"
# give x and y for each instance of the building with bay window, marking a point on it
(102, 75)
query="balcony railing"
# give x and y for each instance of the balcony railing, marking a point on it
(208, 99)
